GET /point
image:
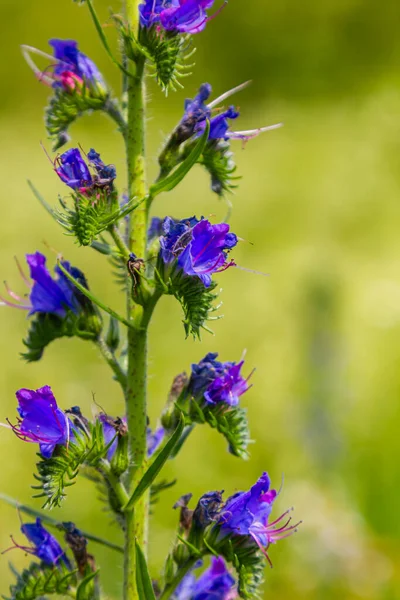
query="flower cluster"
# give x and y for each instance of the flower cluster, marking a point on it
(176, 16)
(196, 248)
(74, 172)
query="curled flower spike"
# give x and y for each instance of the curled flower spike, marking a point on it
(215, 583)
(218, 382)
(41, 421)
(47, 295)
(177, 16)
(246, 515)
(69, 68)
(45, 546)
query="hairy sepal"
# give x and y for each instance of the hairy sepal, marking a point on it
(57, 473)
(45, 328)
(218, 160)
(39, 580)
(67, 106)
(167, 54)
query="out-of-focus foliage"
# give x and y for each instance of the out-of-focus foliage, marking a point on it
(319, 206)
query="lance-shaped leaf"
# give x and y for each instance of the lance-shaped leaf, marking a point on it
(38, 580)
(86, 587)
(143, 581)
(155, 466)
(170, 181)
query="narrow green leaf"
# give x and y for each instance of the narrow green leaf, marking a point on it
(85, 588)
(144, 585)
(156, 466)
(168, 183)
(103, 38)
(43, 202)
(93, 298)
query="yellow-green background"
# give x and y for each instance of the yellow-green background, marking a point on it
(319, 208)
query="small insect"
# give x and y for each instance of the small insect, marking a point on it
(119, 425)
(135, 265)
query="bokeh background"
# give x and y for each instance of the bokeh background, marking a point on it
(319, 206)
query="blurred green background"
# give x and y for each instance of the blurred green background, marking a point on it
(319, 207)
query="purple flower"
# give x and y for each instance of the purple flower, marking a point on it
(176, 16)
(176, 235)
(73, 67)
(206, 253)
(246, 515)
(155, 229)
(46, 547)
(215, 583)
(218, 382)
(41, 421)
(73, 171)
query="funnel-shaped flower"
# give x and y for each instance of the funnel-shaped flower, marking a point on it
(73, 65)
(41, 421)
(176, 16)
(75, 173)
(46, 547)
(218, 382)
(246, 514)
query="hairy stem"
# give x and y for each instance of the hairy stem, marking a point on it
(135, 395)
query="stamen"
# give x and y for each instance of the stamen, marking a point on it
(27, 51)
(21, 272)
(11, 293)
(229, 93)
(252, 133)
(13, 305)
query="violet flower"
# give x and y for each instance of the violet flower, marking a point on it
(215, 583)
(47, 295)
(46, 547)
(176, 16)
(70, 69)
(246, 515)
(74, 172)
(41, 421)
(218, 382)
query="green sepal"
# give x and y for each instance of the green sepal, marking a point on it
(144, 585)
(218, 160)
(65, 107)
(45, 328)
(167, 54)
(86, 589)
(113, 335)
(230, 421)
(57, 473)
(197, 302)
(39, 580)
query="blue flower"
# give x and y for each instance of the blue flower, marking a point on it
(206, 253)
(41, 421)
(176, 235)
(48, 295)
(154, 440)
(218, 382)
(246, 515)
(71, 61)
(176, 16)
(74, 172)
(46, 547)
(215, 583)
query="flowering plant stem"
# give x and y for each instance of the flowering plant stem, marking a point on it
(136, 385)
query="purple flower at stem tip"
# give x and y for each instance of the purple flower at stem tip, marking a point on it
(45, 546)
(246, 514)
(177, 16)
(41, 421)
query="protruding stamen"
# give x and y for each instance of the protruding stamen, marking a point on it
(13, 305)
(12, 294)
(229, 93)
(252, 133)
(21, 272)
(27, 51)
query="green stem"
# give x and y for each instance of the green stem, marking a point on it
(184, 570)
(116, 484)
(112, 109)
(110, 358)
(135, 395)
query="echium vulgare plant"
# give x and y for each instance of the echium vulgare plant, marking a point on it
(222, 543)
